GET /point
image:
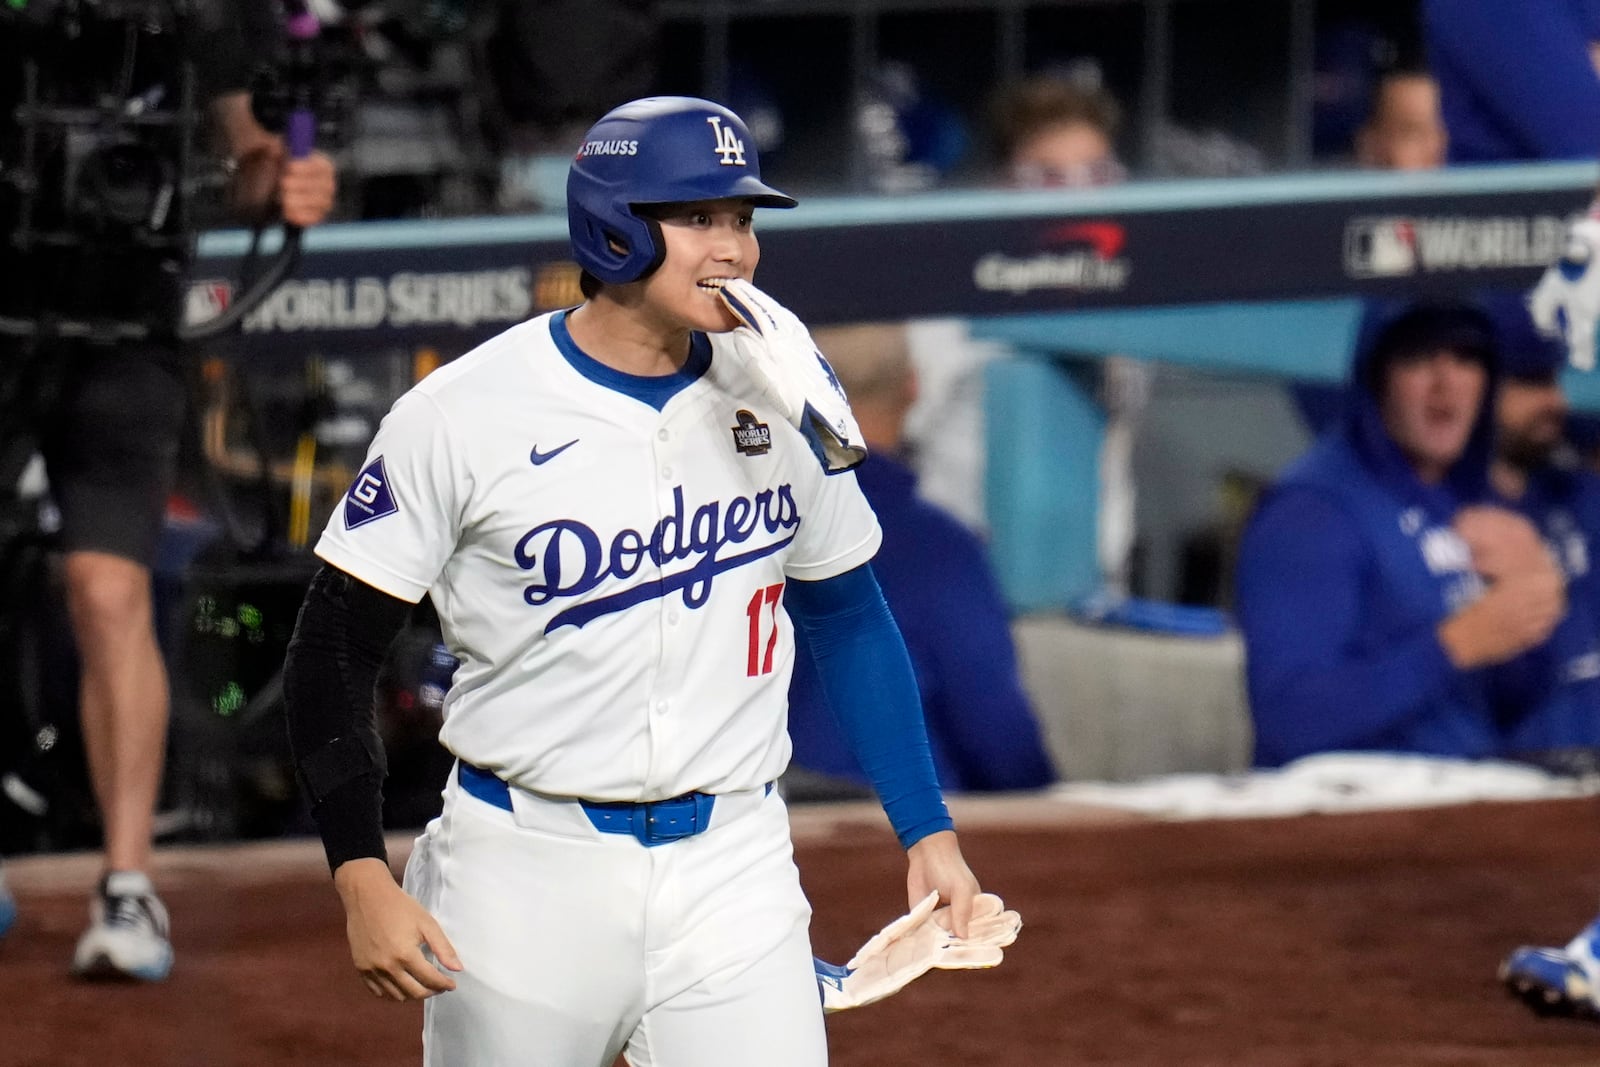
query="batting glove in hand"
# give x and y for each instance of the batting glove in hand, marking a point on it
(914, 944)
(1566, 302)
(779, 355)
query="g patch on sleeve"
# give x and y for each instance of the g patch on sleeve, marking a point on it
(369, 497)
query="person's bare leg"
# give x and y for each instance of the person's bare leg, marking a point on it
(123, 698)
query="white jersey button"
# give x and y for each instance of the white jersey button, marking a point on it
(663, 434)
(666, 472)
(661, 707)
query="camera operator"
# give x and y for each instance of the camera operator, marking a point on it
(99, 232)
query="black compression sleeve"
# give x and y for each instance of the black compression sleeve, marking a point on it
(340, 639)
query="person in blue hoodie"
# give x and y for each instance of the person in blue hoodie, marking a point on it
(942, 592)
(1376, 582)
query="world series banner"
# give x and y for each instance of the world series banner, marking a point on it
(453, 284)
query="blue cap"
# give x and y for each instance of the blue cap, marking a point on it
(1524, 351)
(1393, 330)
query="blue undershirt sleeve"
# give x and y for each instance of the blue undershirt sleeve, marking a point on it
(871, 689)
(1301, 572)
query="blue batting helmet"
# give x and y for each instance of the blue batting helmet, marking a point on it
(659, 150)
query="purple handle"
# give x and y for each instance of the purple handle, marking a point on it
(302, 26)
(301, 134)
(301, 131)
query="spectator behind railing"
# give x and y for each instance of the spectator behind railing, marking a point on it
(1404, 129)
(936, 577)
(1053, 131)
(1050, 130)
(1375, 582)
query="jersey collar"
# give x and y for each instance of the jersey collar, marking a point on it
(654, 390)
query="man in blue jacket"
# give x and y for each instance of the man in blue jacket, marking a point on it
(1536, 473)
(942, 592)
(1372, 593)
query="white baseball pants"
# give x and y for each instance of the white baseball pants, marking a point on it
(578, 945)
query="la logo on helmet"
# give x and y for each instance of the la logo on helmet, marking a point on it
(729, 147)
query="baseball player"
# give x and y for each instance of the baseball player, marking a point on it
(621, 521)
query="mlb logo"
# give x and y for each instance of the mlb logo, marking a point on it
(206, 300)
(1380, 248)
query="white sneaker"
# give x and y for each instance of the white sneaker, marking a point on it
(1557, 981)
(128, 931)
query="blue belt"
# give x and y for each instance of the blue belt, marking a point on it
(651, 823)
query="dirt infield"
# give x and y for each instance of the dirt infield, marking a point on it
(1360, 940)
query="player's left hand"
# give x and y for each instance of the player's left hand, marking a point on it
(388, 931)
(936, 865)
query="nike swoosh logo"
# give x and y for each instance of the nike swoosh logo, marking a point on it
(538, 458)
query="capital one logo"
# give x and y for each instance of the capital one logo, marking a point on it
(729, 147)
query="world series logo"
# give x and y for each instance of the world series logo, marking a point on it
(1399, 246)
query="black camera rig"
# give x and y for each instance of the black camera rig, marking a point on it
(101, 155)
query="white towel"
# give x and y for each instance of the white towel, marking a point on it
(777, 352)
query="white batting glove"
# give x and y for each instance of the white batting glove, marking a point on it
(1566, 302)
(914, 944)
(779, 355)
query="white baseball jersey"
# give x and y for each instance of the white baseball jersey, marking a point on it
(610, 576)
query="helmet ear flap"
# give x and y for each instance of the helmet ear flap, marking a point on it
(617, 249)
(657, 247)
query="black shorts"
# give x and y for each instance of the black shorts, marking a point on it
(110, 444)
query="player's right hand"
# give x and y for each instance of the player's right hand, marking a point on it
(387, 930)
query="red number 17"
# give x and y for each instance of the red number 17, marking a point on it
(759, 662)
